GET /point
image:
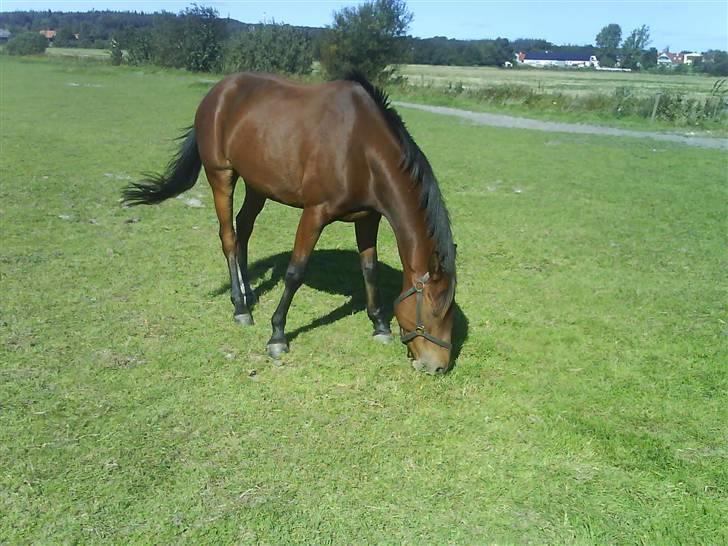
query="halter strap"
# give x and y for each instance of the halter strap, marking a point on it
(419, 330)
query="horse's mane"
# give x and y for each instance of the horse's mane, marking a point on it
(416, 164)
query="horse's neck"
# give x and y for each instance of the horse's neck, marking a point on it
(409, 224)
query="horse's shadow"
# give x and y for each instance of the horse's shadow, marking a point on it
(338, 272)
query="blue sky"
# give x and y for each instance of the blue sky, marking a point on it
(693, 25)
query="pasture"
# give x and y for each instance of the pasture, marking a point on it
(587, 404)
(686, 102)
(79, 53)
(570, 82)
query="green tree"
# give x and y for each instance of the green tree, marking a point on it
(117, 55)
(270, 47)
(608, 41)
(633, 46)
(65, 37)
(496, 52)
(203, 34)
(368, 38)
(192, 40)
(648, 59)
(140, 47)
(27, 43)
(716, 63)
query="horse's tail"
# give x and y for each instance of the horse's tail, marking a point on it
(180, 175)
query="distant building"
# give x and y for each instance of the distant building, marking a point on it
(690, 58)
(667, 58)
(49, 34)
(4, 35)
(572, 59)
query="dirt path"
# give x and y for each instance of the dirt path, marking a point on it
(511, 122)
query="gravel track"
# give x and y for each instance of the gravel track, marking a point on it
(512, 122)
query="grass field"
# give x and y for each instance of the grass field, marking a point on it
(612, 98)
(577, 96)
(79, 53)
(573, 82)
(587, 405)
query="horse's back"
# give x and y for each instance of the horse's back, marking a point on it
(297, 144)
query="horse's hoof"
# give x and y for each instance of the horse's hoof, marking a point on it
(275, 350)
(244, 319)
(383, 338)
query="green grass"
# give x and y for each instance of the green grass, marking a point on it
(79, 53)
(571, 82)
(588, 404)
(580, 96)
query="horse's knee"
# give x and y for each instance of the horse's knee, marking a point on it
(294, 275)
(369, 270)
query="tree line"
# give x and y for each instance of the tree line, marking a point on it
(370, 37)
(632, 52)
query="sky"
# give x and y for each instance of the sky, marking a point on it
(696, 25)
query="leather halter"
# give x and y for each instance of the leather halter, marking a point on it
(419, 330)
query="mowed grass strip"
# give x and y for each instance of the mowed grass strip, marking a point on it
(588, 403)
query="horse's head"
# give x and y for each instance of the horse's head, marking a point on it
(425, 316)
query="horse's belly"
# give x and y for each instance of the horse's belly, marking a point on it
(281, 187)
(354, 216)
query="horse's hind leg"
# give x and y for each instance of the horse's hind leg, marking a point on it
(310, 225)
(222, 183)
(245, 220)
(366, 240)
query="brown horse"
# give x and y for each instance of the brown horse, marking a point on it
(338, 151)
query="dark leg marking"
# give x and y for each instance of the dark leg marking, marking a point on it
(366, 239)
(244, 222)
(309, 229)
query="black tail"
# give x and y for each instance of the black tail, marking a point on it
(180, 175)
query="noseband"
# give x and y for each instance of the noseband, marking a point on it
(419, 330)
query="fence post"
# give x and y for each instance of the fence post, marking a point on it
(654, 108)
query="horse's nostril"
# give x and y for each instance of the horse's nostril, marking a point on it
(440, 370)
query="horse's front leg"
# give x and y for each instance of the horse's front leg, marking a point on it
(366, 240)
(310, 225)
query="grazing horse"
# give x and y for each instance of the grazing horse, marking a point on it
(338, 151)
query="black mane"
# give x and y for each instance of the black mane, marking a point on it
(416, 164)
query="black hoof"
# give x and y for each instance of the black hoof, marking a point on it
(276, 350)
(244, 319)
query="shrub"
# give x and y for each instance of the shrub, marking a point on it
(140, 47)
(27, 43)
(270, 47)
(117, 55)
(191, 40)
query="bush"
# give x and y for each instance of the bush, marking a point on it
(117, 55)
(27, 43)
(140, 47)
(270, 47)
(191, 40)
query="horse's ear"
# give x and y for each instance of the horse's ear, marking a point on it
(435, 266)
